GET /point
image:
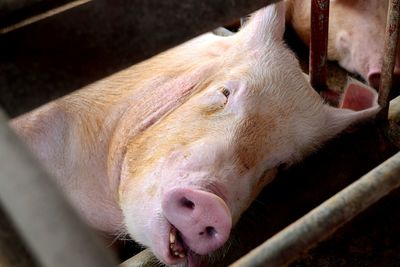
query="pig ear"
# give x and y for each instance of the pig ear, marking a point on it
(264, 25)
(359, 102)
(358, 96)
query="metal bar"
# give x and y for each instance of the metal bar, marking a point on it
(12, 12)
(389, 57)
(317, 225)
(67, 51)
(12, 250)
(143, 259)
(319, 43)
(51, 229)
(24, 22)
(393, 126)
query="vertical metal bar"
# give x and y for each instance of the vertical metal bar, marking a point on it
(389, 57)
(51, 229)
(321, 222)
(319, 43)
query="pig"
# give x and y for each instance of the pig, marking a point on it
(356, 34)
(174, 149)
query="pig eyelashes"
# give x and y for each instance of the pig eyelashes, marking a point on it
(225, 91)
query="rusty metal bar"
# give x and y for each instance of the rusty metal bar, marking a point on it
(389, 57)
(393, 126)
(64, 52)
(321, 222)
(319, 43)
(51, 229)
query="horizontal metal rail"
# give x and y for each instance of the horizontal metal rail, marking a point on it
(12, 12)
(51, 229)
(321, 222)
(23, 22)
(64, 52)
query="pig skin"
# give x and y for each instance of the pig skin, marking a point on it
(214, 117)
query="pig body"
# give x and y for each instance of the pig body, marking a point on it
(356, 34)
(174, 149)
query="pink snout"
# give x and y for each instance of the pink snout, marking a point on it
(374, 77)
(202, 218)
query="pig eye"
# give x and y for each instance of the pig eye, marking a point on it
(225, 91)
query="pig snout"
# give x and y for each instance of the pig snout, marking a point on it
(374, 77)
(202, 219)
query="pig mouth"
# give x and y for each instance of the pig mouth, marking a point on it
(177, 248)
(181, 255)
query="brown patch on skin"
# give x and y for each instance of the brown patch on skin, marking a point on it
(252, 139)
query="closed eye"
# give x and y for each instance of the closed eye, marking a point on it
(225, 91)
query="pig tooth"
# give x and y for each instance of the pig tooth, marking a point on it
(181, 255)
(176, 253)
(172, 237)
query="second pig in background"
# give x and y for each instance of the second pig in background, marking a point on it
(356, 34)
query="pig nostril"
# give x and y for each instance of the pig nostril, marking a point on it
(211, 231)
(187, 203)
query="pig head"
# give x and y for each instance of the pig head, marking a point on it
(356, 34)
(174, 149)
